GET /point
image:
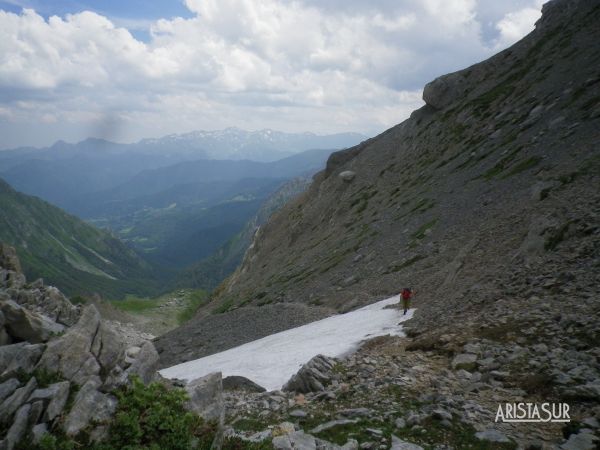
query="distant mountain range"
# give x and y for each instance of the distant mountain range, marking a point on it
(168, 198)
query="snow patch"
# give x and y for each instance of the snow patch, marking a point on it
(272, 360)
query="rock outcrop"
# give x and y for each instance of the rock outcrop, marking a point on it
(43, 334)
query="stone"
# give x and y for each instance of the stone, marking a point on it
(400, 423)
(356, 412)
(26, 325)
(107, 347)
(35, 413)
(18, 398)
(38, 431)
(332, 424)
(9, 259)
(70, 354)
(312, 376)
(491, 436)
(581, 441)
(18, 428)
(239, 383)
(206, 396)
(298, 413)
(5, 338)
(89, 405)
(464, 361)
(347, 175)
(58, 401)
(19, 358)
(8, 387)
(145, 364)
(297, 440)
(399, 444)
(283, 428)
(441, 414)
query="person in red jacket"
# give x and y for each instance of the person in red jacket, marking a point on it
(406, 295)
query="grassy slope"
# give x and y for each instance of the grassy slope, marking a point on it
(66, 251)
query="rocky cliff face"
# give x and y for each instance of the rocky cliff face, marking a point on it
(498, 170)
(50, 351)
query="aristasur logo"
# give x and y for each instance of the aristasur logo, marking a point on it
(533, 412)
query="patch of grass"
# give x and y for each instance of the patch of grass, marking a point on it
(403, 265)
(195, 299)
(135, 304)
(252, 424)
(523, 165)
(420, 232)
(223, 307)
(43, 376)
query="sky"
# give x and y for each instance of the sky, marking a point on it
(131, 69)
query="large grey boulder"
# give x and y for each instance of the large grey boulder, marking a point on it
(445, 90)
(89, 405)
(28, 326)
(58, 401)
(8, 387)
(145, 363)
(239, 383)
(107, 347)
(206, 396)
(18, 428)
(19, 357)
(491, 435)
(312, 377)
(71, 354)
(16, 400)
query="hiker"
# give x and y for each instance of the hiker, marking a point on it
(406, 295)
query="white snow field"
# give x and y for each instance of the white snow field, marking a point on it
(272, 360)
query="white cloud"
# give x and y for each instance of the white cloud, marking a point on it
(250, 63)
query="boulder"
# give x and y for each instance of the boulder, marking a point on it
(464, 361)
(38, 431)
(206, 396)
(445, 90)
(58, 401)
(19, 358)
(297, 440)
(107, 347)
(347, 175)
(18, 429)
(8, 387)
(89, 405)
(312, 377)
(28, 326)
(70, 354)
(399, 444)
(9, 259)
(332, 424)
(17, 399)
(238, 383)
(35, 413)
(145, 364)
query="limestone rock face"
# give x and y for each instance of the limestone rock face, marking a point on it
(312, 377)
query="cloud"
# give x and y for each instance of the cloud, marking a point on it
(324, 66)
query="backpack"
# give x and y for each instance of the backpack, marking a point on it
(406, 293)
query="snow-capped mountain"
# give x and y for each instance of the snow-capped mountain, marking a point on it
(235, 143)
